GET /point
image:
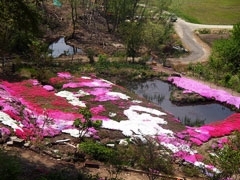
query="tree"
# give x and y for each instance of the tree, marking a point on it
(19, 24)
(117, 12)
(227, 51)
(132, 36)
(74, 14)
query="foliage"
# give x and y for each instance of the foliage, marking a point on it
(227, 159)
(191, 170)
(154, 158)
(86, 123)
(90, 55)
(97, 151)
(207, 12)
(223, 67)
(19, 24)
(9, 166)
(117, 12)
(131, 33)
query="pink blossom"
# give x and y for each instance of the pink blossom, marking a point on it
(205, 90)
(48, 87)
(66, 75)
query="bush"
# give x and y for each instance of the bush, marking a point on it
(227, 158)
(97, 151)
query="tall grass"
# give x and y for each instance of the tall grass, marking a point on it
(208, 11)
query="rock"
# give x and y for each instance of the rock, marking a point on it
(110, 145)
(27, 144)
(18, 142)
(10, 143)
(15, 141)
(123, 142)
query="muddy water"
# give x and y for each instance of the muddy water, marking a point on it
(158, 92)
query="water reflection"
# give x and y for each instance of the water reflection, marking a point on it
(158, 92)
(60, 47)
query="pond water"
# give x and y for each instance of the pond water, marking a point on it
(158, 92)
(60, 47)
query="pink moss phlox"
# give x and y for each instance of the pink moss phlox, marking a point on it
(34, 97)
(199, 135)
(99, 117)
(102, 94)
(205, 90)
(226, 126)
(188, 157)
(66, 116)
(187, 92)
(87, 82)
(65, 75)
(34, 82)
(48, 87)
(196, 141)
(98, 109)
(92, 130)
(4, 131)
(57, 81)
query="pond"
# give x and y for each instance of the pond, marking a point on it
(60, 47)
(159, 92)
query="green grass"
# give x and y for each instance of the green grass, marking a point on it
(208, 11)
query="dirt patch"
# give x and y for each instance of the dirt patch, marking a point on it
(211, 38)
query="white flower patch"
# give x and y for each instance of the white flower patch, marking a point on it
(72, 98)
(139, 123)
(81, 93)
(76, 133)
(72, 132)
(7, 120)
(132, 112)
(107, 81)
(85, 77)
(137, 101)
(118, 94)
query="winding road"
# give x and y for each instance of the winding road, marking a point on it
(198, 50)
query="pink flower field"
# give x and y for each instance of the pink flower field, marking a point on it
(31, 110)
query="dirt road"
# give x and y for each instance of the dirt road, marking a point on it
(198, 50)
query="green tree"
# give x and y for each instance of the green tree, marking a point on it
(118, 11)
(227, 51)
(74, 14)
(19, 21)
(132, 36)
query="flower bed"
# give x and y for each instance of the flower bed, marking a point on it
(33, 110)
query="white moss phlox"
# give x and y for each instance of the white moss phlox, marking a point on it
(71, 98)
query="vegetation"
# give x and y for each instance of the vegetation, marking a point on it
(86, 123)
(223, 67)
(138, 26)
(19, 25)
(227, 158)
(151, 157)
(208, 11)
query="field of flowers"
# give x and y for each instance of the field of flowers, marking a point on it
(32, 110)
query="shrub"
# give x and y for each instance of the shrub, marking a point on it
(97, 151)
(227, 158)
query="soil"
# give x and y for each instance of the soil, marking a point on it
(48, 156)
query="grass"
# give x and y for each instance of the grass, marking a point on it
(208, 11)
